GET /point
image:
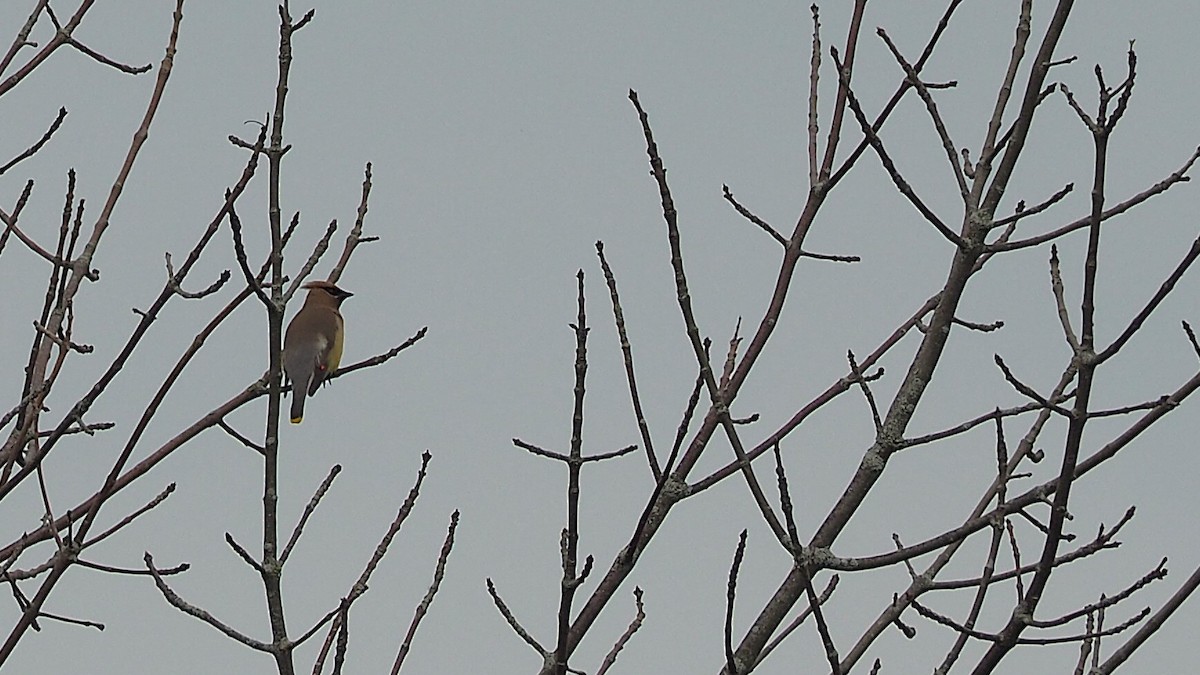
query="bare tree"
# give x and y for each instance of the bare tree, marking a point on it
(980, 175)
(1024, 515)
(59, 539)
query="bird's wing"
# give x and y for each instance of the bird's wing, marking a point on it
(328, 326)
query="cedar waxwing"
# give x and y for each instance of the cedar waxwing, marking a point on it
(312, 345)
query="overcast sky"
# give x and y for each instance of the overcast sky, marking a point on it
(503, 147)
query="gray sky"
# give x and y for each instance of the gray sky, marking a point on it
(503, 147)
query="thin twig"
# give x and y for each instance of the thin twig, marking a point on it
(32, 150)
(730, 596)
(762, 224)
(1064, 315)
(930, 106)
(1136, 323)
(239, 249)
(243, 553)
(890, 166)
(427, 601)
(798, 621)
(814, 75)
(308, 511)
(239, 437)
(1023, 212)
(627, 355)
(512, 621)
(1028, 391)
(158, 499)
(1151, 626)
(179, 603)
(129, 571)
(866, 390)
(634, 625)
(1178, 176)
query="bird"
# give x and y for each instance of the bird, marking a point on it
(312, 344)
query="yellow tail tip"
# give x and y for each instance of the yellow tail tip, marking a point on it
(297, 420)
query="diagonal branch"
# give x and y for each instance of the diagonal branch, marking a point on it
(187, 608)
(1176, 177)
(512, 621)
(1022, 212)
(1161, 294)
(311, 507)
(890, 166)
(423, 607)
(627, 355)
(32, 150)
(931, 106)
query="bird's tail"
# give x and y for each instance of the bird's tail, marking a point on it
(298, 396)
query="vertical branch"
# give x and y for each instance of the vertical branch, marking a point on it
(570, 547)
(1033, 88)
(792, 253)
(1085, 357)
(801, 564)
(627, 353)
(271, 566)
(423, 607)
(671, 216)
(33, 391)
(989, 565)
(730, 596)
(839, 105)
(355, 237)
(987, 153)
(814, 73)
